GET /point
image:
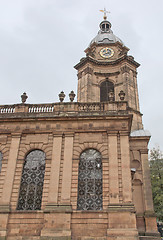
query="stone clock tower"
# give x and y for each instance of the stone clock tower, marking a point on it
(106, 70)
(108, 75)
(79, 170)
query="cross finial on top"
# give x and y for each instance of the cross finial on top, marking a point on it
(105, 12)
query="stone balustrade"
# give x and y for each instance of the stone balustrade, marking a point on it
(66, 107)
(40, 108)
(7, 109)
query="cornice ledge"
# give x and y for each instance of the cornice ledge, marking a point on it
(149, 214)
(128, 207)
(144, 151)
(92, 60)
(58, 208)
(134, 110)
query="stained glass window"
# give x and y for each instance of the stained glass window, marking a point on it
(106, 89)
(31, 188)
(90, 181)
(1, 156)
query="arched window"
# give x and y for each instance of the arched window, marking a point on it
(90, 181)
(1, 156)
(30, 196)
(107, 91)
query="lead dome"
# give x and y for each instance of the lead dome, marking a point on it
(105, 35)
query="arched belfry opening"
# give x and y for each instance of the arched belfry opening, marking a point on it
(107, 91)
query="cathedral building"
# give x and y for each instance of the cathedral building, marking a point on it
(79, 170)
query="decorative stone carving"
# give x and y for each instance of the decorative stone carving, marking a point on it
(88, 70)
(91, 52)
(121, 95)
(79, 75)
(24, 97)
(134, 74)
(72, 96)
(82, 59)
(131, 57)
(111, 96)
(122, 52)
(61, 96)
(125, 69)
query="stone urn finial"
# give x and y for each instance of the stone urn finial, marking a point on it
(61, 96)
(121, 95)
(24, 97)
(111, 96)
(72, 96)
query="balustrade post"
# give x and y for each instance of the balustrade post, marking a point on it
(21, 108)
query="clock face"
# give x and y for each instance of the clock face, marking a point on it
(106, 52)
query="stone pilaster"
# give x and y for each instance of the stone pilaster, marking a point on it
(150, 219)
(8, 184)
(146, 181)
(67, 169)
(113, 168)
(136, 89)
(121, 214)
(122, 222)
(58, 216)
(126, 169)
(54, 174)
(9, 178)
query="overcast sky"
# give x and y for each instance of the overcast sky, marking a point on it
(41, 41)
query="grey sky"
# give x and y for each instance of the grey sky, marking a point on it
(41, 41)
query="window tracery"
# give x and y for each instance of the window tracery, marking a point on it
(31, 188)
(90, 181)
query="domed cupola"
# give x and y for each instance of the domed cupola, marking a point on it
(105, 26)
(105, 34)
